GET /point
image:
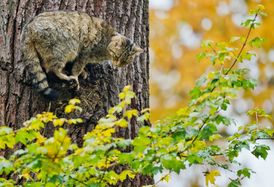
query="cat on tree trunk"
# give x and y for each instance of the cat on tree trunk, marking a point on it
(52, 39)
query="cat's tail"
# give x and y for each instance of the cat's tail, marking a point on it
(35, 70)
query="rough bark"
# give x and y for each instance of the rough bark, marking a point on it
(18, 101)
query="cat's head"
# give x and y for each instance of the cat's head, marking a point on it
(122, 50)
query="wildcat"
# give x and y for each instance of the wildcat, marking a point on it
(52, 39)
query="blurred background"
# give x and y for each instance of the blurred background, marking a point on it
(177, 28)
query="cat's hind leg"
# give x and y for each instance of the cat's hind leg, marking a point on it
(63, 76)
(58, 71)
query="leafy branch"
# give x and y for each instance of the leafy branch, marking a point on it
(245, 42)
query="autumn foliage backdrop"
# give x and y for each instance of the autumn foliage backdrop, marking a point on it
(177, 30)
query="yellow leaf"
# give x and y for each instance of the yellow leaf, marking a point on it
(75, 121)
(166, 178)
(59, 122)
(46, 117)
(125, 174)
(215, 137)
(198, 145)
(127, 88)
(122, 95)
(2, 144)
(131, 175)
(210, 176)
(261, 7)
(131, 113)
(40, 139)
(211, 75)
(183, 112)
(78, 151)
(52, 149)
(35, 124)
(145, 110)
(79, 120)
(74, 101)
(108, 132)
(25, 174)
(122, 123)
(69, 108)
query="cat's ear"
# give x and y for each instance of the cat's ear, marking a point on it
(137, 50)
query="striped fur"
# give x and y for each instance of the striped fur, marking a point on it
(52, 39)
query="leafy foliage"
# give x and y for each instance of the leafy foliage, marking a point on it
(190, 137)
(180, 29)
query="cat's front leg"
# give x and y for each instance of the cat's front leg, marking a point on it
(85, 73)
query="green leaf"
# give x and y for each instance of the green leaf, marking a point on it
(195, 93)
(5, 130)
(10, 142)
(179, 135)
(140, 144)
(23, 136)
(144, 130)
(246, 56)
(208, 131)
(234, 183)
(258, 112)
(206, 43)
(247, 23)
(231, 153)
(7, 183)
(124, 143)
(222, 120)
(5, 166)
(256, 42)
(141, 141)
(201, 56)
(224, 106)
(270, 132)
(171, 163)
(244, 172)
(261, 151)
(194, 159)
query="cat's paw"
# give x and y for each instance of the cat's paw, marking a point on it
(84, 74)
(74, 82)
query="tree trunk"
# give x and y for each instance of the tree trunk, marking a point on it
(19, 102)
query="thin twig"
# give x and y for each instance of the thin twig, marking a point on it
(214, 50)
(195, 138)
(244, 44)
(241, 50)
(161, 179)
